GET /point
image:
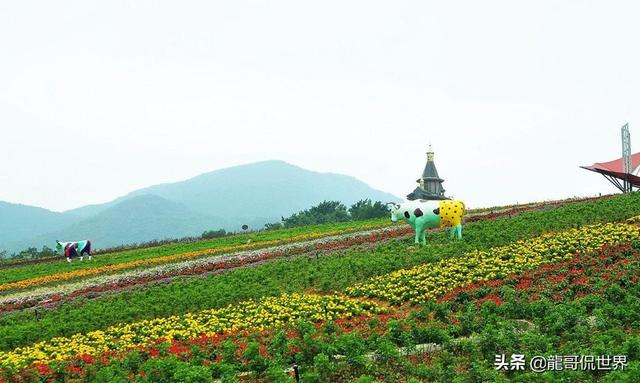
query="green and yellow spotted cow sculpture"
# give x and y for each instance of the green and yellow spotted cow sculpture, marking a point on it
(422, 215)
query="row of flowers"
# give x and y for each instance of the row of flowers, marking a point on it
(52, 295)
(167, 259)
(429, 281)
(250, 315)
(583, 275)
(65, 286)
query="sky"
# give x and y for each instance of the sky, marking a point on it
(99, 98)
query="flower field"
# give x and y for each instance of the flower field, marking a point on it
(18, 276)
(247, 315)
(193, 267)
(562, 279)
(554, 305)
(429, 281)
(48, 294)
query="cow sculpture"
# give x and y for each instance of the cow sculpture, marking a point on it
(73, 249)
(422, 215)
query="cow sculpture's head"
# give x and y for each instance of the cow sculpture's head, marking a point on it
(396, 214)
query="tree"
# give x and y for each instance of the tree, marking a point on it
(364, 209)
(324, 212)
(30, 253)
(213, 234)
(273, 226)
(46, 252)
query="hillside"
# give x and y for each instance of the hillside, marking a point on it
(268, 189)
(544, 278)
(137, 219)
(252, 194)
(21, 221)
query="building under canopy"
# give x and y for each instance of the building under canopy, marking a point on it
(614, 172)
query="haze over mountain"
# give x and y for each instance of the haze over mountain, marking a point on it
(252, 194)
(21, 221)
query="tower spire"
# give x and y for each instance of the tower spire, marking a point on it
(430, 184)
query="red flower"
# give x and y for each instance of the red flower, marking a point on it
(179, 350)
(524, 284)
(580, 281)
(263, 351)
(87, 359)
(294, 350)
(493, 298)
(43, 369)
(75, 370)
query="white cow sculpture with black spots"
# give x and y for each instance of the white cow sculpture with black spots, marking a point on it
(422, 215)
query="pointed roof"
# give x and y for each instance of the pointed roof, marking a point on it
(430, 171)
(432, 188)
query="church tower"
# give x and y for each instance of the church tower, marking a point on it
(430, 184)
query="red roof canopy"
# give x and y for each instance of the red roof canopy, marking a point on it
(615, 169)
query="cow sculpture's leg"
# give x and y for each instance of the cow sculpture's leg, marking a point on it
(424, 236)
(415, 227)
(420, 233)
(459, 230)
(452, 232)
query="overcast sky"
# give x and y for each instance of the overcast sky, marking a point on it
(98, 98)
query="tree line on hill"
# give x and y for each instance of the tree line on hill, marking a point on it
(322, 213)
(331, 212)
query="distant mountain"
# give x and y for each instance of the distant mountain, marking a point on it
(137, 219)
(252, 194)
(22, 221)
(269, 189)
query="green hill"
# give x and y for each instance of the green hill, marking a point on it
(138, 219)
(21, 221)
(268, 189)
(251, 194)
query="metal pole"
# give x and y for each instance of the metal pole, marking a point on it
(626, 156)
(296, 373)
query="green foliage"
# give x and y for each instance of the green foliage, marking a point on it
(334, 211)
(273, 226)
(213, 234)
(324, 212)
(365, 209)
(32, 253)
(167, 369)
